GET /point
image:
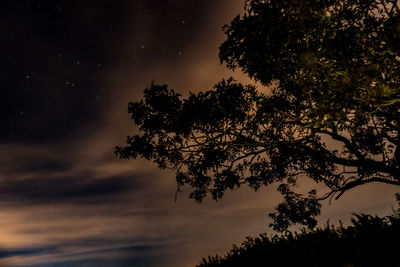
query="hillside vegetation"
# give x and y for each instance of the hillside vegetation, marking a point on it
(368, 241)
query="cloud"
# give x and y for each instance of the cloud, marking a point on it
(81, 254)
(64, 188)
(26, 251)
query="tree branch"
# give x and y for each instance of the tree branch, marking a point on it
(353, 184)
(346, 141)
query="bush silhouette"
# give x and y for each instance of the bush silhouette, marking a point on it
(368, 241)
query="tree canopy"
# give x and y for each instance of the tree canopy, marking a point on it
(332, 114)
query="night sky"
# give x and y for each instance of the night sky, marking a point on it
(67, 72)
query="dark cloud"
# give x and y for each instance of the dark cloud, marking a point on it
(36, 165)
(21, 161)
(97, 255)
(27, 251)
(46, 165)
(144, 261)
(82, 187)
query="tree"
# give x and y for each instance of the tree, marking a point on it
(332, 114)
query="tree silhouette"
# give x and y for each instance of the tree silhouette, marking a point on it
(332, 114)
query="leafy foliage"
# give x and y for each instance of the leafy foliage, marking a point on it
(332, 114)
(369, 241)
